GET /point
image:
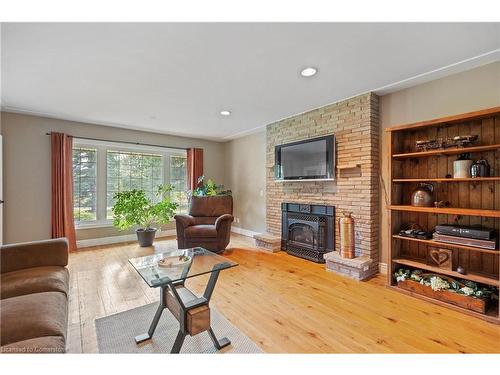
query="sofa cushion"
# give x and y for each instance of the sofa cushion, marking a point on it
(34, 280)
(33, 315)
(45, 344)
(200, 231)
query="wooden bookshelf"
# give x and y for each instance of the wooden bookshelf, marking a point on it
(475, 201)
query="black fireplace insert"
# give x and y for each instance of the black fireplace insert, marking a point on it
(307, 230)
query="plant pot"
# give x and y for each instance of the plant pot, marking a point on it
(145, 236)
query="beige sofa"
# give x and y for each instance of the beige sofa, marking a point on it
(34, 297)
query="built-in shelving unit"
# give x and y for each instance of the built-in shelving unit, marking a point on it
(472, 200)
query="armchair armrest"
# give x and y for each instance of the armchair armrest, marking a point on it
(222, 220)
(184, 220)
(34, 254)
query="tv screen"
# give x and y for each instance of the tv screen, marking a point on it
(306, 160)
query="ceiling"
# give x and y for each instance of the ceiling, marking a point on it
(175, 78)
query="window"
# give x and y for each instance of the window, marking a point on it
(84, 184)
(101, 169)
(178, 179)
(131, 170)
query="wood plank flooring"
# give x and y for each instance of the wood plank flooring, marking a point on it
(284, 304)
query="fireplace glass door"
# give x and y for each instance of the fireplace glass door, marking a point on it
(303, 234)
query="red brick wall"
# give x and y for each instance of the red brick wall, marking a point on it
(355, 123)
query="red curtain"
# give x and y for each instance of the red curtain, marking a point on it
(194, 166)
(62, 188)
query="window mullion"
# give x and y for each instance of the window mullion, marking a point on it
(101, 183)
(166, 170)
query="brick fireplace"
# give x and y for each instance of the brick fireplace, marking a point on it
(355, 123)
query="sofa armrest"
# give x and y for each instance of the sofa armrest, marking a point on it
(34, 254)
(184, 220)
(223, 220)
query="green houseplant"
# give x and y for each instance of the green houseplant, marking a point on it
(134, 208)
(209, 188)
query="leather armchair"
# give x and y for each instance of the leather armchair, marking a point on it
(207, 225)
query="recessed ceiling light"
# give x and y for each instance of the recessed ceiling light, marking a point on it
(225, 113)
(308, 72)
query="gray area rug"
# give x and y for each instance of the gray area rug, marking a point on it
(115, 334)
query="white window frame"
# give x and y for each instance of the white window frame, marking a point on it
(102, 148)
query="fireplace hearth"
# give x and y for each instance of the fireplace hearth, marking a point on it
(307, 230)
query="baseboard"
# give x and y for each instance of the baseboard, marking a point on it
(118, 239)
(382, 268)
(244, 232)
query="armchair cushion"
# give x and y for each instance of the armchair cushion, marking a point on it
(34, 280)
(34, 254)
(201, 231)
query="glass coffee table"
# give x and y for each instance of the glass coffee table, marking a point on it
(168, 271)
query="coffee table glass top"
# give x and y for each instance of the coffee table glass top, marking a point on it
(175, 265)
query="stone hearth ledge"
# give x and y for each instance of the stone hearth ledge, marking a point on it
(268, 242)
(357, 268)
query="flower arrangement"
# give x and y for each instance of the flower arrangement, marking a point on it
(436, 283)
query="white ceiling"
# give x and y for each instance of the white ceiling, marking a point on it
(176, 77)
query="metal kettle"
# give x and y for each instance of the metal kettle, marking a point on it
(480, 168)
(422, 195)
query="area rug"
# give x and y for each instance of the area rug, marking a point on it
(115, 334)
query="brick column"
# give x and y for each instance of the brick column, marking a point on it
(355, 123)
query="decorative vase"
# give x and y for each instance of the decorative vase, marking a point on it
(462, 166)
(422, 196)
(480, 168)
(346, 234)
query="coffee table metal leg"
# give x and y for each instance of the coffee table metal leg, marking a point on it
(219, 344)
(179, 340)
(156, 319)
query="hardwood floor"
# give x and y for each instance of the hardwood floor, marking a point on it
(284, 304)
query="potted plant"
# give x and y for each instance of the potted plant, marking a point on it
(133, 208)
(209, 188)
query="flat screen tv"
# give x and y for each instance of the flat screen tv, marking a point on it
(311, 159)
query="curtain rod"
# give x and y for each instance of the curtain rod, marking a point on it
(126, 142)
